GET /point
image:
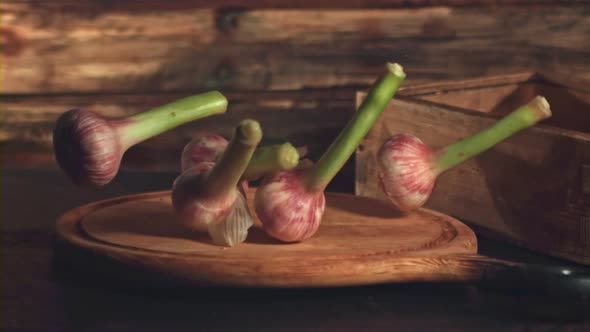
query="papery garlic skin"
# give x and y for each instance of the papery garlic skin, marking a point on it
(87, 147)
(233, 227)
(287, 211)
(227, 220)
(190, 199)
(405, 170)
(203, 147)
(209, 196)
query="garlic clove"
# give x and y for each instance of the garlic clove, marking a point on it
(233, 227)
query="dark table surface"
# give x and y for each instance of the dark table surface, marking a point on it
(41, 293)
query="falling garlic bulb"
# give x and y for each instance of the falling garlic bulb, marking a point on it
(89, 147)
(408, 168)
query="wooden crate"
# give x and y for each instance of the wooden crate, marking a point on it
(532, 189)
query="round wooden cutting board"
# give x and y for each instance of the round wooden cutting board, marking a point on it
(361, 241)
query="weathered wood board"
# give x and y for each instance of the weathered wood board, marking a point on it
(92, 46)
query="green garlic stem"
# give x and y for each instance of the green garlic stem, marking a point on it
(522, 118)
(271, 159)
(357, 128)
(142, 126)
(228, 171)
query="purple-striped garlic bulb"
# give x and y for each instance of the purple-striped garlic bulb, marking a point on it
(291, 204)
(207, 198)
(408, 168)
(89, 147)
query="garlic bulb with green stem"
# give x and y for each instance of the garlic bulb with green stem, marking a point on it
(265, 160)
(408, 168)
(89, 147)
(291, 204)
(206, 196)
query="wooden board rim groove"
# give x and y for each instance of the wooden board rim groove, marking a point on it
(447, 229)
(215, 269)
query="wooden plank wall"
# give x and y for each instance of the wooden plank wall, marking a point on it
(294, 64)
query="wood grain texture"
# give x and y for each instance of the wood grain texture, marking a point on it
(96, 49)
(528, 189)
(500, 95)
(361, 241)
(148, 5)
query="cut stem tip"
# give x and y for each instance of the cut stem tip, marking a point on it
(249, 132)
(288, 156)
(396, 69)
(540, 104)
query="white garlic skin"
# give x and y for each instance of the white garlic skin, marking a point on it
(406, 172)
(232, 228)
(227, 220)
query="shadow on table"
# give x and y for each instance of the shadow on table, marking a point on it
(94, 300)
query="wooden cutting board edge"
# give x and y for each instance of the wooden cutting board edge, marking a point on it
(201, 270)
